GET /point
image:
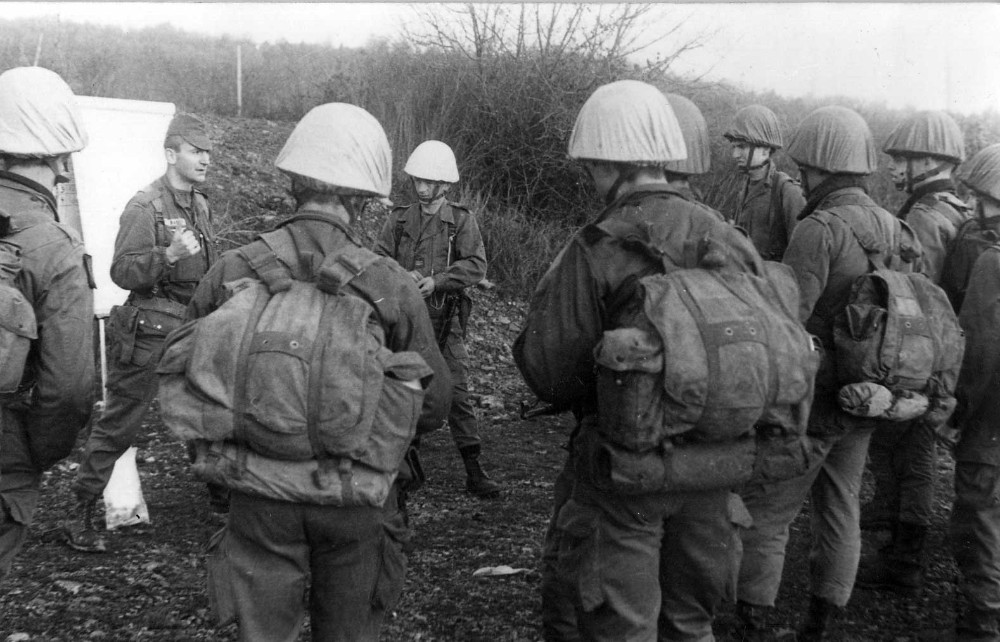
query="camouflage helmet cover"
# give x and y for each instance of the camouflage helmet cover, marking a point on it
(341, 146)
(695, 130)
(39, 115)
(757, 125)
(927, 133)
(627, 121)
(981, 173)
(836, 140)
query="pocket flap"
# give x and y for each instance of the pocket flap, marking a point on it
(406, 366)
(16, 314)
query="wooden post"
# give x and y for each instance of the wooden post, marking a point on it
(38, 48)
(239, 80)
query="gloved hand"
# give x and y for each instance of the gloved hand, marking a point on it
(183, 245)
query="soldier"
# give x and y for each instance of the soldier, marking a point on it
(165, 244)
(597, 553)
(337, 158)
(40, 126)
(975, 517)
(834, 150)
(923, 151)
(559, 622)
(438, 242)
(699, 152)
(769, 200)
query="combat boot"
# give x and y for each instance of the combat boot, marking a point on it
(477, 482)
(79, 530)
(899, 566)
(754, 627)
(818, 626)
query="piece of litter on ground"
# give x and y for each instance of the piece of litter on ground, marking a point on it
(496, 571)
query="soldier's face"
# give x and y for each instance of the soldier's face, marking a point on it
(189, 163)
(741, 153)
(897, 170)
(429, 191)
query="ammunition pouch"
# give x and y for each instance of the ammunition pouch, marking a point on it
(158, 316)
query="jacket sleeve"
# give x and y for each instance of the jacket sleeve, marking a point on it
(386, 243)
(808, 255)
(933, 235)
(62, 396)
(554, 351)
(793, 202)
(980, 319)
(138, 262)
(468, 266)
(409, 328)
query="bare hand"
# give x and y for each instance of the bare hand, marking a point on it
(184, 244)
(426, 286)
(416, 276)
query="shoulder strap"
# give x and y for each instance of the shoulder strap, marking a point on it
(271, 259)
(340, 267)
(874, 249)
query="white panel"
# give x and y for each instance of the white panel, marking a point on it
(125, 153)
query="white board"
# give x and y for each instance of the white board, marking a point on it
(125, 153)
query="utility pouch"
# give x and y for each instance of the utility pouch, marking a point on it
(158, 316)
(122, 323)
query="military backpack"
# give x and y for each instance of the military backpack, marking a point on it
(293, 367)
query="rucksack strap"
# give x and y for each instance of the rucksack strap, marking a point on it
(875, 250)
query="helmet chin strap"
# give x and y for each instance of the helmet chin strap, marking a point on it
(60, 169)
(437, 192)
(750, 166)
(623, 177)
(912, 181)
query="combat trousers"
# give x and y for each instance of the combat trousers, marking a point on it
(833, 482)
(131, 389)
(20, 484)
(462, 418)
(351, 557)
(650, 567)
(903, 461)
(558, 607)
(975, 533)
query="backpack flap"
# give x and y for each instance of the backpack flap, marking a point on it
(17, 329)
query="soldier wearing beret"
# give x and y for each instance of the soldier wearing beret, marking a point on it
(165, 244)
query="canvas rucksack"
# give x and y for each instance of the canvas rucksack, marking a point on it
(898, 331)
(714, 352)
(294, 367)
(973, 237)
(17, 321)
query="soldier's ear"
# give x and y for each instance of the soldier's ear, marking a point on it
(171, 155)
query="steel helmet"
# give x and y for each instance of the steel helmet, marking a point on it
(927, 133)
(342, 146)
(39, 116)
(981, 173)
(695, 129)
(835, 140)
(432, 160)
(756, 125)
(627, 122)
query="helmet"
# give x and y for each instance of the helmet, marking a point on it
(432, 160)
(39, 116)
(342, 146)
(627, 122)
(927, 133)
(835, 140)
(981, 173)
(757, 125)
(695, 129)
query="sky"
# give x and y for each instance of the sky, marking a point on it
(925, 56)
